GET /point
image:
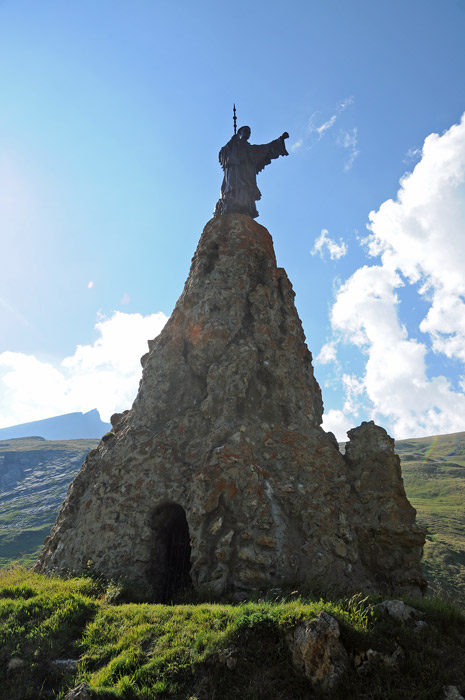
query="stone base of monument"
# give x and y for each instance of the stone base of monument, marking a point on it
(220, 476)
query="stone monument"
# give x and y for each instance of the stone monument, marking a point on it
(220, 476)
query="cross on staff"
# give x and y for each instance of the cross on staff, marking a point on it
(234, 119)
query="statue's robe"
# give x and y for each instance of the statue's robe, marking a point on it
(241, 162)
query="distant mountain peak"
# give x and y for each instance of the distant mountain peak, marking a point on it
(69, 426)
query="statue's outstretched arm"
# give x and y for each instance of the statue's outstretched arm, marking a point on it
(264, 154)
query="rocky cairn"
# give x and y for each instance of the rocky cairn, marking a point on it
(220, 475)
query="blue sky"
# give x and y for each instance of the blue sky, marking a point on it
(112, 115)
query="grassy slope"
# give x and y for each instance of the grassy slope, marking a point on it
(33, 443)
(51, 466)
(434, 477)
(146, 652)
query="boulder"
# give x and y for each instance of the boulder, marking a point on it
(451, 692)
(14, 664)
(65, 665)
(365, 661)
(81, 692)
(396, 609)
(317, 651)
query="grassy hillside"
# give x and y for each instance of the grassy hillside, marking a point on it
(434, 477)
(210, 651)
(34, 477)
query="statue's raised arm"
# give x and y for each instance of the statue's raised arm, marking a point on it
(241, 162)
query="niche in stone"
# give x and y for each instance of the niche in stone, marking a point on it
(171, 553)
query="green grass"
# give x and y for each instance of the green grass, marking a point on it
(146, 652)
(434, 477)
(41, 620)
(22, 546)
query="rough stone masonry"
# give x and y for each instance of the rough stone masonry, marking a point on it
(220, 475)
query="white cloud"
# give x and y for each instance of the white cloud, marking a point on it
(298, 144)
(345, 103)
(320, 130)
(335, 421)
(30, 389)
(104, 375)
(325, 126)
(412, 154)
(327, 354)
(420, 238)
(348, 140)
(354, 388)
(422, 235)
(445, 323)
(335, 250)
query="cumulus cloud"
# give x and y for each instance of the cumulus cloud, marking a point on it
(337, 422)
(420, 241)
(335, 250)
(422, 235)
(104, 375)
(327, 354)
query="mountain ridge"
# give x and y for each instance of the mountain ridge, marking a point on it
(68, 426)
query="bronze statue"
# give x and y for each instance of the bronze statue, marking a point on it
(241, 162)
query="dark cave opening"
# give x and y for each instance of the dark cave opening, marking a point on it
(171, 553)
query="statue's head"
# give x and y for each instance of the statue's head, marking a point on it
(244, 133)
